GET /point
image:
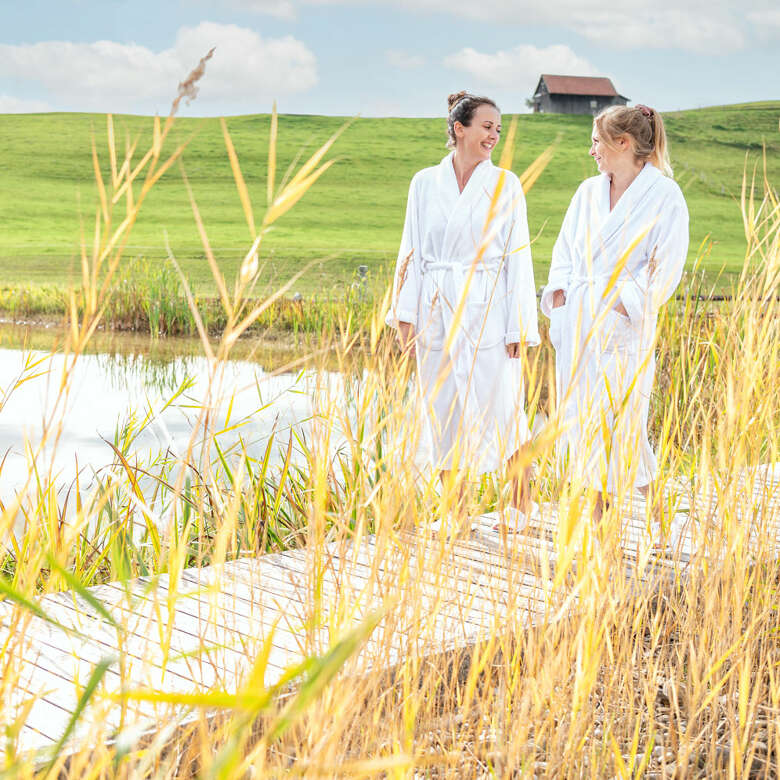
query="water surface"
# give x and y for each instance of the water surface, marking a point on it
(127, 378)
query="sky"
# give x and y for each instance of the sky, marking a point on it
(378, 57)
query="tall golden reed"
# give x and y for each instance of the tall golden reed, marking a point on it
(585, 666)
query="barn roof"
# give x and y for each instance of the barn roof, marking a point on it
(579, 85)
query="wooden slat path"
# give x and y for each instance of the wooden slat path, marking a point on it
(202, 630)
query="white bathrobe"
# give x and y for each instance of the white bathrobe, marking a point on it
(466, 284)
(605, 362)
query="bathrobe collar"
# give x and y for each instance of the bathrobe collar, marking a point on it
(625, 209)
(456, 204)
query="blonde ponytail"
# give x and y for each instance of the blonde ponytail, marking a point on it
(660, 154)
(644, 126)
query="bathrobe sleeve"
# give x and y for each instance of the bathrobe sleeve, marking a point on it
(657, 278)
(406, 281)
(562, 262)
(522, 325)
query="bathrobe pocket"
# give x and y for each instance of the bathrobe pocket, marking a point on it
(431, 332)
(485, 321)
(617, 333)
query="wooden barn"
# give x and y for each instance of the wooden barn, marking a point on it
(575, 95)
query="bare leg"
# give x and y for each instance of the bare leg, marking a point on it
(446, 476)
(520, 477)
(601, 506)
(520, 497)
(648, 491)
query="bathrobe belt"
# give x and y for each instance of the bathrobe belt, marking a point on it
(596, 284)
(460, 272)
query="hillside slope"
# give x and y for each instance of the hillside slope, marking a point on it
(354, 213)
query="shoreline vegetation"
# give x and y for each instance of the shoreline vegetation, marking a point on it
(677, 681)
(150, 299)
(153, 302)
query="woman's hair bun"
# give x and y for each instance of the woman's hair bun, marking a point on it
(455, 98)
(461, 107)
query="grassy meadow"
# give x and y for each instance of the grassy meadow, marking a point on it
(354, 215)
(674, 680)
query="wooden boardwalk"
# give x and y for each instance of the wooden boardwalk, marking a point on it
(203, 630)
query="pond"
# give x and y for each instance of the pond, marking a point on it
(267, 391)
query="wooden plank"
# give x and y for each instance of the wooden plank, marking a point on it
(362, 567)
(144, 651)
(453, 617)
(513, 560)
(368, 568)
(286, 589)
(58, 677)
(297, 573)
(463, 588)
(333, 596)
(30, 741)
(229, 610)
(104, 641)
(449, 614)
(150, 623)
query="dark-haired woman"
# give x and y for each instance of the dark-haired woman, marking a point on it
(464, 298)
(617, 260)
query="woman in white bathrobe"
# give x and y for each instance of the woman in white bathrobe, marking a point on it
(464, 297)
(617, 260)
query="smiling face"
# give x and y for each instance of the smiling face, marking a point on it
(477, 140)
(611, 157)
(606, 156)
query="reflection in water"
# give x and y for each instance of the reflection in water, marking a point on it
(160, 359)
(161, 376)
(124, 396)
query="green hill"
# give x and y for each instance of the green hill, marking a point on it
(354, 213)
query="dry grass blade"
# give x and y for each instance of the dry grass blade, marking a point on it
(243, 193)
(230, 337)
(189, 87)
(100, 185)
(530, 175)
(112, 151)
(314, 160)
(620, 265)
(292, 193)
(216, 273)
(272, 156)
(156, 137)
(133, 175)
(508, 152)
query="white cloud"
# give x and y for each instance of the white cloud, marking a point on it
(767, 22)
(281, 9)
(14, 105)
(110, 76)
(404, 60)
(706, 26)
(639, 24)
(709, 26)
(663, 28)
(246, 64)
(518, 67)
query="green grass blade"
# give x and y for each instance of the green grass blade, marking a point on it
(94, 680)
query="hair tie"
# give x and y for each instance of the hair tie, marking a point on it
(459, 101)
(648, 112)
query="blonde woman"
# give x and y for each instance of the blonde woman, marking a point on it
(464, 298)
(617, 260)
